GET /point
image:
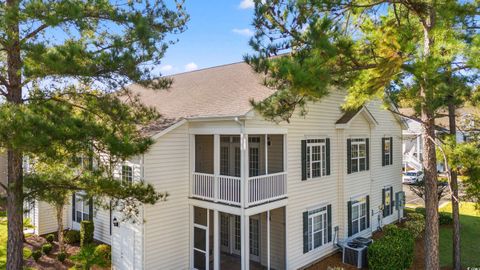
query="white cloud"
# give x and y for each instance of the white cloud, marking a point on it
(166, 68)
(191, 66)
(246, 4)
(244, 32)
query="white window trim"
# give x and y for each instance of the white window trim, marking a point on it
(358, 157)
(387, 153)
(387, 189)
(125, 177)
(85, 208)
(323, 230)
(323, 155)
(358, 203)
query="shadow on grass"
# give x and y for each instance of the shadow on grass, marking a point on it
(470, 237)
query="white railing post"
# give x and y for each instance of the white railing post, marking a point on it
(216, 164)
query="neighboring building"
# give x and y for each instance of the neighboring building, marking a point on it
(412, 134)
(246, 192)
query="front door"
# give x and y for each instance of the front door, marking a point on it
(122, 247)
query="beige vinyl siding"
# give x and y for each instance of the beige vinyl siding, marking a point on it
(304, 195)
(167, 225)
(47, 218)
(389, 175)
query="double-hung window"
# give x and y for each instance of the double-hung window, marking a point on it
(357, 155)
(387, 201)
(317, 227)
(127, 174)
(387, 151)
(315, 158)
(81, 208)
(358, 215)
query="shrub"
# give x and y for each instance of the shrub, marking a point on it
(445, 218)
(421, 210)
(72, 237)
(104, 251)
(62, 256)
(393, 251)
(47, 248)
(415, 226)
(87, 258)
(27, 253)
(416, 216)
(36, 255)
(389, 227)
(50, 238)
(86, 232)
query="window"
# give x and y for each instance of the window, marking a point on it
(254, 156)
(357, 155)
(387, 201)
(359, 219)
(127, 174)
(317, 228)
(387, 151)
(81, 209)
(315, 158)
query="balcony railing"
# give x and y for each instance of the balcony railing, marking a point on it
(227, 189)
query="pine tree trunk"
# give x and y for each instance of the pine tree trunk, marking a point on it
(431, 238)
(15, 212)
(61, 244)
(455, 198)
(15, 171)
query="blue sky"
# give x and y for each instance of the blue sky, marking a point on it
(218, 33)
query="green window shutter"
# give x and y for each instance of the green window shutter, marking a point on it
(391, 200)
(349, 210)
(305, 232)
(73, 206)
(383, 152)
(367, 146)
(110, 217)
(90, 209)
(383, 203)
(349, 156)
(304, 160)
(327, 153)
(391, 150)
(329, 220)
(368, 211)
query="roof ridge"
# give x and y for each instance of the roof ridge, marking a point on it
(206, 68)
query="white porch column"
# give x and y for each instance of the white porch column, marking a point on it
(268, 239)
(246, 242)
(266, 154)
(418, 148)
(216, 240)
(216, 164)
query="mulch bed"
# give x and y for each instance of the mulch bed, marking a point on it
(50, 261)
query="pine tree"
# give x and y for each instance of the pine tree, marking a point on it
(46, 46)
(395, 50)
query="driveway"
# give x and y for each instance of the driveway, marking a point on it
(411, 198)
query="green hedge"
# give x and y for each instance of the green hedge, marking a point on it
(445, 218)
(393, 251)
(72, 237)
(86, 232)
(36, 255)
(50, 238)
(104, 251)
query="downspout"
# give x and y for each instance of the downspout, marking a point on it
(242, 191)
(142, 174)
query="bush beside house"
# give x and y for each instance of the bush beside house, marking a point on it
(86, 232)
(393, 251)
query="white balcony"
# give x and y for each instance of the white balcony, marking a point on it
(220, 166)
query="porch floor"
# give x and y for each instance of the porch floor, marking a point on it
(232, 262)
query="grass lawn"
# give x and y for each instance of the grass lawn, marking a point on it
(3, 242)
(470, 236)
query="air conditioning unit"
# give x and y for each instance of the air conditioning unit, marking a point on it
(355, 253)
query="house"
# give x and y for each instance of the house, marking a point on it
(412, 135)
(246, 193)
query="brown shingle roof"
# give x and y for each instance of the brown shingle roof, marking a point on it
(212, 92)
